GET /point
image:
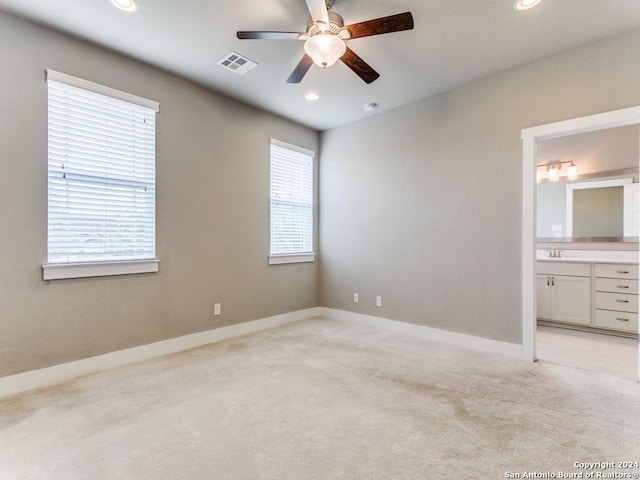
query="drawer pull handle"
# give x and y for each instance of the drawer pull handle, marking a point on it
(621, 301)
(623, 271)
(622, 319)
(622, 286)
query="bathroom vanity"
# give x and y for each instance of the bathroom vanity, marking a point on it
(590, 290)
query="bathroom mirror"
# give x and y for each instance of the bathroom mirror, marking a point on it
(591, 207)
(597, 210)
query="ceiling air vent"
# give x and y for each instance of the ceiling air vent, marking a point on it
(237, 63)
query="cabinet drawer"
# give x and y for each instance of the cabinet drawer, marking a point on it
(613, 270)
(617, 320)
(617, 301)
(617, 285)
(560, 268)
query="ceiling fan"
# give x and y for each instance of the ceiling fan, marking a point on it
(326, 35)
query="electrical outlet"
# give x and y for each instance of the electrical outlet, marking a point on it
(356, 298)
(217, 309)
(378, 301)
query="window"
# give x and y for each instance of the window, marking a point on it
(291, 204)
(101, 180)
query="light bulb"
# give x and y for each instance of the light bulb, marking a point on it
(554, 174)
(572, 171)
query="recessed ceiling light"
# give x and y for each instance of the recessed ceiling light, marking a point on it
(526, 4)
(370, 107)
(312, 97)
(126, 5)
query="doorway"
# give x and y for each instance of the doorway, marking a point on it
(530, 137)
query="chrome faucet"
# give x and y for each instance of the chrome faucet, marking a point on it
(554, 252)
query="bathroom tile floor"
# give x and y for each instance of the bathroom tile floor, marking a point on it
(589, 351)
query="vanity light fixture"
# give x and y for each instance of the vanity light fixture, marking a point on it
(126, 5)
(526, 4)
(553, 170)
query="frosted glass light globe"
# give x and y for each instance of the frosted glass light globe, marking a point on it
(325, 49)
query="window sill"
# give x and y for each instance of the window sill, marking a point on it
(58, 271)
(296, 258)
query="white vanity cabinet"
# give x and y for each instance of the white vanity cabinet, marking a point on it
(564, 292)
(616, 297)
(588, 294)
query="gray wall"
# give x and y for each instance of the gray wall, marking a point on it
(593, 152)
(422, 205)
(551, 209)
(212, 213)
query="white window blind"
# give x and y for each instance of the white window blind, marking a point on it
(291, 199)
(101, 173)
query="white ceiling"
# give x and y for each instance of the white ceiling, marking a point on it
(454, 42)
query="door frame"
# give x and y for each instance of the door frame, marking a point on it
(530, 137)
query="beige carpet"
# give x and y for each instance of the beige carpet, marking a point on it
(321, 399)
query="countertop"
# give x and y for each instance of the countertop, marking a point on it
(590, 256)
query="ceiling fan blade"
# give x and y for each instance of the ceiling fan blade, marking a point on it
(269, 35)
(392, 23)
(318, 10)
(301, 70)
(359, 66)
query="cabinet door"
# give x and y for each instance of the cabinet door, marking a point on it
(543, 293)
(571, 299)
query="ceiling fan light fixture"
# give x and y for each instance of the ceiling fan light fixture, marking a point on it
(126, 5)
(526, 4)
(325, 49)
(324, 39)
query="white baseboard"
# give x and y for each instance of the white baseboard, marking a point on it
(512, 350)
(44, 377)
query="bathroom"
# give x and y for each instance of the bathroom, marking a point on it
(588, 226)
